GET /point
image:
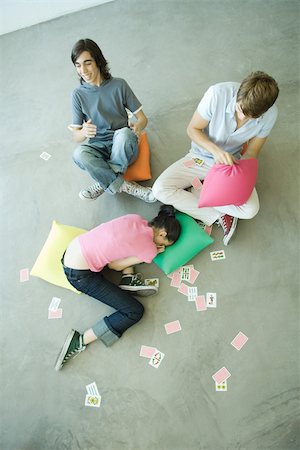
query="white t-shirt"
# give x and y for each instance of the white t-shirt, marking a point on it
(218, 108)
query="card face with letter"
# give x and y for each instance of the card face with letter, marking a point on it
(156, 359)
(239, 341)
(152, 282)
(211, 300)
(221, 375)
(192, 293)
(54, 304)
(172, 327)
(92, 389)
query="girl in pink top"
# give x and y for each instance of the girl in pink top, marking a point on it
(119, 244)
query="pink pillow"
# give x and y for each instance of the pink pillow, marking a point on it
(229, 185)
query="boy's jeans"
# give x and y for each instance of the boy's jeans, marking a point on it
(106, 161)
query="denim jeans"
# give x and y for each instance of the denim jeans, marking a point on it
(128, 310)
(107, 160)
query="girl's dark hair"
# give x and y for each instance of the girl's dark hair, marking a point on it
(166, 219)
(87, 45)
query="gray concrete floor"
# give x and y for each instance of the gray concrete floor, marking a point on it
(169, 52)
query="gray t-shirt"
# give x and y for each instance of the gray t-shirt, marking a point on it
(105, 105)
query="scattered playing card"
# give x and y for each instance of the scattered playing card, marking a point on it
(152, 282)
(156, 359)
(221, 387)
(200, 303)
(196, 183)
(54, 304)
(192, 293)
(93, 400)
(239, 341)
(211, 300)
(198, 161)
(172, 327)
(217, 255)
(193, 275)
(146, 351)
(176, 280)
(92, 389)
(45, 156)
(172, 274)
(221, 375)
(185, 273)
(183, 289)
(24, 275)
(189, 163)
(208, 229)
(57, 314)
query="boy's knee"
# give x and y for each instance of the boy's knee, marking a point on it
(137, 313)
(125, 134)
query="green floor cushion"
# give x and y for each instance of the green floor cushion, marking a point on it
(48, 266)
(191, 241)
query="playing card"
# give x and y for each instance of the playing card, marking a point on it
(172, 327)
(221, 387)
(92, 389)
(198, 161)
(24, 275)
(208, 229)
(196, 183)
(57, 314)
(200, 303)
(152, 282)
(185, 273)
(183, 289)
(172, 274)
(192, 293)
(147, 352)
(176, 280)
(217, 255)
(239, 341)
(193, 275)
(189, 163)
(211, 300)
(93, 400)
(54, 304)
(221, 375)
(45, 156)
(156, 359)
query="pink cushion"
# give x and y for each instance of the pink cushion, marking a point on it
(229, 185)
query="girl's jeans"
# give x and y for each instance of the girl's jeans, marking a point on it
(128, 310)
(107, 160)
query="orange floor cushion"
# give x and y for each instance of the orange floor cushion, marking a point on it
(140, 170)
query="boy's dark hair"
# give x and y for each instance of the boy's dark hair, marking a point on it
(166, 219)
(257, 93)
(87, 45)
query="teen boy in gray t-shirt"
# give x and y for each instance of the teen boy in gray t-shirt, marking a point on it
(99, 110)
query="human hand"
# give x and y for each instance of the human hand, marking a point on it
(222, 157)
(160, 248)
(89, 129)
(135, 127)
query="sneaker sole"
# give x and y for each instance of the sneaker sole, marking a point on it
(143, 292)
(62, 353)
(232, 230)
(82, 197)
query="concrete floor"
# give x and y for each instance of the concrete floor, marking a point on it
(169, 52)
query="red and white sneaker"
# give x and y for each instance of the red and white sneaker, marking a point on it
(228, 223)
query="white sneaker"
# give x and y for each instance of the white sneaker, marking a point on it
(138, 191)
(92, 192)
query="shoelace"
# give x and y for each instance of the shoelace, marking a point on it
(223, 223)
(138, 191)
(76, 350)
(95, 189)
(137, 278)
